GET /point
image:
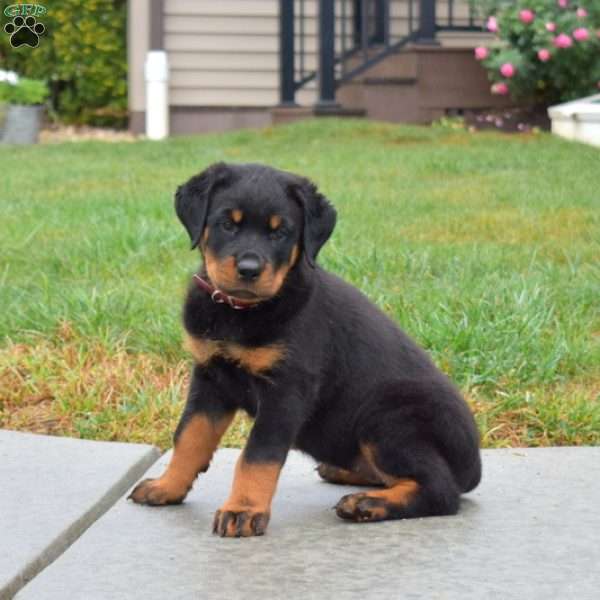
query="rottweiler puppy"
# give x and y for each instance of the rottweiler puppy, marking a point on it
(318, 366)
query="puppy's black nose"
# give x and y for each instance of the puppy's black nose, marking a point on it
(249, 266)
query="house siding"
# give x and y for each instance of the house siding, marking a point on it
(225, 53)
(222, 53)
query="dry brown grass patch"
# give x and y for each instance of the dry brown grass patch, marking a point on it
(84, 388)
(564, 414)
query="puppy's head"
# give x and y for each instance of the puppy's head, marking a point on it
(253, 225)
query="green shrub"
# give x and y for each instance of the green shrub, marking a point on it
(547, 51)
(26, 91)
(82, 55)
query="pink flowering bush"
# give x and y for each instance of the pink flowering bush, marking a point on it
(481, 53)
(546, 51)
(563, 40)
(544, 55)
(527, 16)
(581, 34)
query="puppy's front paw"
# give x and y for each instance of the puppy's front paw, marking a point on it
(240, 523)
(157, 492)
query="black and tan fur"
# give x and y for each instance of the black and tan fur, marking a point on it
(313, 360)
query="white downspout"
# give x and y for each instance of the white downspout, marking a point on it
(157, 95)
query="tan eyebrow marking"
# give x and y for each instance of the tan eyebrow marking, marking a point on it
(275, 221)
(237, 215)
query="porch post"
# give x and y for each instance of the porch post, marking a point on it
(287, 88)
(427, 22)
(326, 54)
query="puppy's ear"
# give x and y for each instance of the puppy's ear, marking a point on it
(192, 199)
(319, 217)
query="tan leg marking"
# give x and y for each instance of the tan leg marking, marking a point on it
(400, 494)
(344, 477)
(377, 505)
(368, 453)
(192, 453)
(248, 508)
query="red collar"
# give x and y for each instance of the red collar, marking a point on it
(219, 297)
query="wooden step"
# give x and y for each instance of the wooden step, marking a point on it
(389, 81)
(420, 84)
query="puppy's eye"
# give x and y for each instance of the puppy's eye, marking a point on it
(228, 225)
(278, 234)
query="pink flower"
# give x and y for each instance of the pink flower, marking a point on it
(563, 41)
(481, 53)
(508, 70)
(527, 16)
(581, 34)
(500, 89)
(544, 55)
(582, 13)
(563, 3)
(551, 27)
(492, 24)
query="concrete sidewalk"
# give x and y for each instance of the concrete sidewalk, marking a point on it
(531, 530)
(51, 490)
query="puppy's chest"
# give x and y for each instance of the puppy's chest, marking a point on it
(257, 360)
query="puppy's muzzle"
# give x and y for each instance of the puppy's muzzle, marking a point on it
(249, 266)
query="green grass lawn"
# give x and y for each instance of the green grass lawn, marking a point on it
(484, 247)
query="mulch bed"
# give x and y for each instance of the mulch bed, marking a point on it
(70, 133)
(509, 120)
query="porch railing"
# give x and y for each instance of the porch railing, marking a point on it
(352, 36)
